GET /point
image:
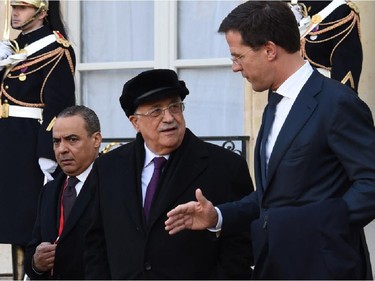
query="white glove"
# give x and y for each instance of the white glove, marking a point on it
(296, 9)
(47, 166)
(8, 56)
(5, 52)
(5, 49)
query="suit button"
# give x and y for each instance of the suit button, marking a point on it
(147, 266)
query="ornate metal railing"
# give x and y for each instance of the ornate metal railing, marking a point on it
(237, 144)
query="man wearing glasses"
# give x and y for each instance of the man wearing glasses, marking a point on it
(127, 239)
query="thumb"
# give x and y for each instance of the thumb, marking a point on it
(200, 197)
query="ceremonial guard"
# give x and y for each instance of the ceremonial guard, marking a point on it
(331, 38)
(37, 71)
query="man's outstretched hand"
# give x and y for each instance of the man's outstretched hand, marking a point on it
(195, 215)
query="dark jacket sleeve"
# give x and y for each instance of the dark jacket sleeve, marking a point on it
(31, 247)
(96, 266)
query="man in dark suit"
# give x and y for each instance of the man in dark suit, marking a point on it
(56, 248)
(127, 239)
(314, 169)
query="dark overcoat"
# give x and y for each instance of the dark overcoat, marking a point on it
(121, 245)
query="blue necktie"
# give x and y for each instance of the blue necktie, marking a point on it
(273, 100)
(159, 162)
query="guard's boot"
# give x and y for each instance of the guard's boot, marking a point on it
(18, 257)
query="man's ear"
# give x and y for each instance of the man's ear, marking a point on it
(134, 120)
(271, 50)
(97, 139)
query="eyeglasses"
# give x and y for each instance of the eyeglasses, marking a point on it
(238, 59)
(173, 108)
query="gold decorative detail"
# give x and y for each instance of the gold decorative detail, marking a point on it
(316, 19)
(353, 18)
(353, 6)
(348, 77)
(53, 57)
(109, 146)
(4, 108)
(50, 125)
(61, 39)
(22, 77)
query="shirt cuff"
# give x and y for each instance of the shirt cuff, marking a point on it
(217, 228)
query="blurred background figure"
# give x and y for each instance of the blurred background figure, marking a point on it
(37, 72)
(333, 45)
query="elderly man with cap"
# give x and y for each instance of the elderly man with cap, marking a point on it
(127, 239)
(37, 71)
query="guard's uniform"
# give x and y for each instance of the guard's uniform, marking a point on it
(44, 80)
(335, 44)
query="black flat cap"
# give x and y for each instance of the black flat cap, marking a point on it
(149, 86)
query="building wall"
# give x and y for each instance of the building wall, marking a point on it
(255, 103)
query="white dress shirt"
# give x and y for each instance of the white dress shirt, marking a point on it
(82, 178)
(289, 90)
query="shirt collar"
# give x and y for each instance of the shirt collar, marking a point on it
(150, 156)
(293, 85)
(83, 176)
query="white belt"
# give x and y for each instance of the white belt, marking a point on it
(25, 112)
(325, 72)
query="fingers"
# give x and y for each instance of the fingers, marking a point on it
(44, 256)
(179, 217)
(175, 228)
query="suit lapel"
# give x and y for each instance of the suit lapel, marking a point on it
(299, 114)
(185, 165)
(128, 174)
(50, 207)
(257, 162)
(79, 207)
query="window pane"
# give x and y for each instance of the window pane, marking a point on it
(214, 106)
(117, 31)
(101, 91)
(198, 22)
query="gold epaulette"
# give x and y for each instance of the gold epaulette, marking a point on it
(353, 6)
(61, 39)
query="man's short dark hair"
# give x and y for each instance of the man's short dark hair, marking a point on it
(92, 123)
(261, 21)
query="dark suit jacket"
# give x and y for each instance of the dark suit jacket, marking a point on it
(70, 247)
(120, 245)
(324, 155)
